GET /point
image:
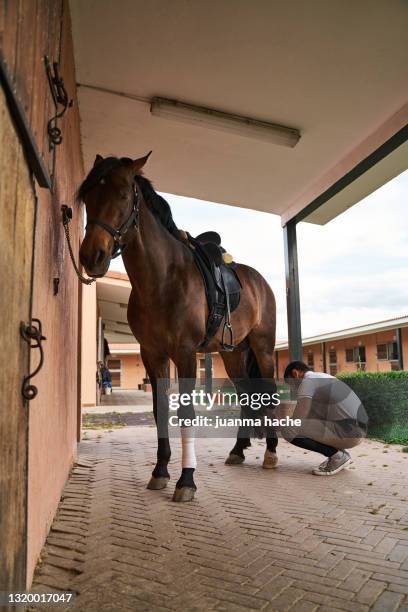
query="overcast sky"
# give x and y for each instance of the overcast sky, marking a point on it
(353, 270)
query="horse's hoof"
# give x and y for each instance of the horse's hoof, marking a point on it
(270, 460)
(184, 494)
(155, 484)
(233, 459)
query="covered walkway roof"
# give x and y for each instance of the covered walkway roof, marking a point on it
(335, 70)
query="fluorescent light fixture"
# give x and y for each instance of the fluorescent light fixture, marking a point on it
(224, 122)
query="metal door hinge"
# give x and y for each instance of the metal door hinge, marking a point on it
(32, 334)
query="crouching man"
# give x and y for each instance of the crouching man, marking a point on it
(333, 417)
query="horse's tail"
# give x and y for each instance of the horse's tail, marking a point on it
(252, 366)
(254, 371)
(262, 385)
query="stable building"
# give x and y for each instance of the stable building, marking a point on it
(375, 347)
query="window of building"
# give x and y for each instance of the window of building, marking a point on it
(332, 356)
(115, 368)
(350, 355)
(356, 355)
(310, 359)
(382, 352)
(360, 357)
(392, 349)
(387, 351)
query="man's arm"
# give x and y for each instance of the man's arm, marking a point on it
(303, 408)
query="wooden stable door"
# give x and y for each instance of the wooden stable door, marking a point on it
(40, 169)
(17, 216)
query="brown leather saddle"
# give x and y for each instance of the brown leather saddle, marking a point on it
(222, 286)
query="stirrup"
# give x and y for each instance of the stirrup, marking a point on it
(227, 347)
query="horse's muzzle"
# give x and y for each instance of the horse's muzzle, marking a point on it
(96, 263)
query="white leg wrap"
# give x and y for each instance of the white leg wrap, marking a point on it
(188, 456)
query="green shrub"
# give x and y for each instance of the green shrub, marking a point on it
(384, 395)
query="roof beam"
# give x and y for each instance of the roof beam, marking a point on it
(386, 139)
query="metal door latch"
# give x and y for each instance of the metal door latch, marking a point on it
(32, 334)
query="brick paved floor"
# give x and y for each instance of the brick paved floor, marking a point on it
(127, 397)
(252, 539)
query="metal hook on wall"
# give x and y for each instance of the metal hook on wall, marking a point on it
(32, 334)
(60, 97)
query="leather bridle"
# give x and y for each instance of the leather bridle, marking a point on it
(119, 234)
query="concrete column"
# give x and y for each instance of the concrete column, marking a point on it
(400, 348)
(292, 291)
(324, 359)
(208, 372)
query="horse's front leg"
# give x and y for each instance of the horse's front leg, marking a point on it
(185, 487)
(157, 369)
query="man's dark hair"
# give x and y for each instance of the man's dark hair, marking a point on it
(295, 365)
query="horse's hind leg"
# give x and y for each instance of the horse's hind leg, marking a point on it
(262, 342)
(157, 369)
(236, 369)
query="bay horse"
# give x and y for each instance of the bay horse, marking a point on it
(167, 310)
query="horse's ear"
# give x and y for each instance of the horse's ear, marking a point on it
(139, 163)
(98, 159)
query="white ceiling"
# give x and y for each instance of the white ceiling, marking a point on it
(336, 70)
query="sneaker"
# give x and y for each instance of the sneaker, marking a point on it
(334, 464)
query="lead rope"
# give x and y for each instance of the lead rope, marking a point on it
(66, 218)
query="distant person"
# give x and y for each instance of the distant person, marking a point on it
(333, 417)
(106, 379)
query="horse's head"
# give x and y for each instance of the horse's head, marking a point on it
(110, 195)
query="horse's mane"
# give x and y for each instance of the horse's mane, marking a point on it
(158, 205)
